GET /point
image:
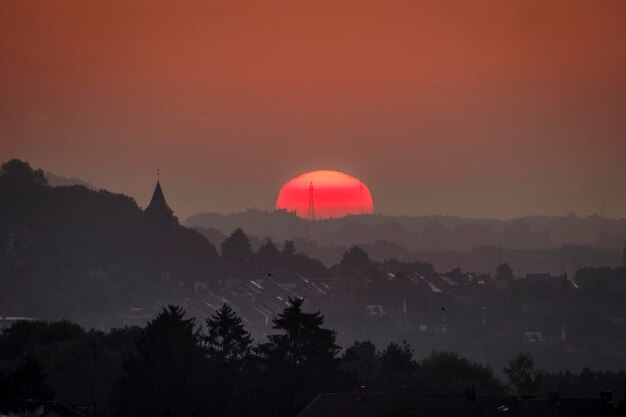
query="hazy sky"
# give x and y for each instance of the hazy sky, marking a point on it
(477, 108)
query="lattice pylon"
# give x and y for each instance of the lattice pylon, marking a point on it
(311, 213)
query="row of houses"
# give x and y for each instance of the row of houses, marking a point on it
(259, 300)
(359, 403)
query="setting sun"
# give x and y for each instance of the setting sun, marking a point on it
(332, 193)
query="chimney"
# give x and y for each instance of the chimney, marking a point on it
(554, 397)
(359, 392)
(607, 396)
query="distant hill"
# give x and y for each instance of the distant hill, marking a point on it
(73, 252)
(423, 233)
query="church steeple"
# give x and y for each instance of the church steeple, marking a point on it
(158, 203)
(158, 214)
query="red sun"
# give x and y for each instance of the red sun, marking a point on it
(334, 194)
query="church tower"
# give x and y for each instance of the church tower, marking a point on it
(159, 216)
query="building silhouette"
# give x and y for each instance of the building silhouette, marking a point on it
(159, 216)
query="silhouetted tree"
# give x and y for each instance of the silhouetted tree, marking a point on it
(302, 264)
(28, 382)
(355, 262)
(228, 343)
(363, 352)
(228, 347)
(302, 340)
(397, 364)
(504, 274)
(236, 249)
(26, 336)
(267, 257)
(447, 372)
(521, 374)
(299, 360)
(360, 363)
(18, 174)
(168, 371)
(23, 197)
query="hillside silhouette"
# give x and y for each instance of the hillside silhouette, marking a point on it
(99, 259)
(70, 250)
(420, 233)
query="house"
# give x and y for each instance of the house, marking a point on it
(377, 404)
(359, 403)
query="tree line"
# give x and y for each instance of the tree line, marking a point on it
(175, 367)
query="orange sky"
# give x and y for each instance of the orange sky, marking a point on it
(478, 108)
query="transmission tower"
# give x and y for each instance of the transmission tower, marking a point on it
(361, 206)
(311, 214)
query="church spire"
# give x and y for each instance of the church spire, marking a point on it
(158, 203)
(158, 212)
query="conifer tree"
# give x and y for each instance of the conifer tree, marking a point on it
(236, 248)
(227, 341)
(299, 360)
(168, 372)
(302, 341)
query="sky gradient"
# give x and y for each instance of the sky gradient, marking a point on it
(471, 108)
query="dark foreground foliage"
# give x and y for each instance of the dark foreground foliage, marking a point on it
(173, 367)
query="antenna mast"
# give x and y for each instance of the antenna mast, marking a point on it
(311, 214)
(361, 206)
